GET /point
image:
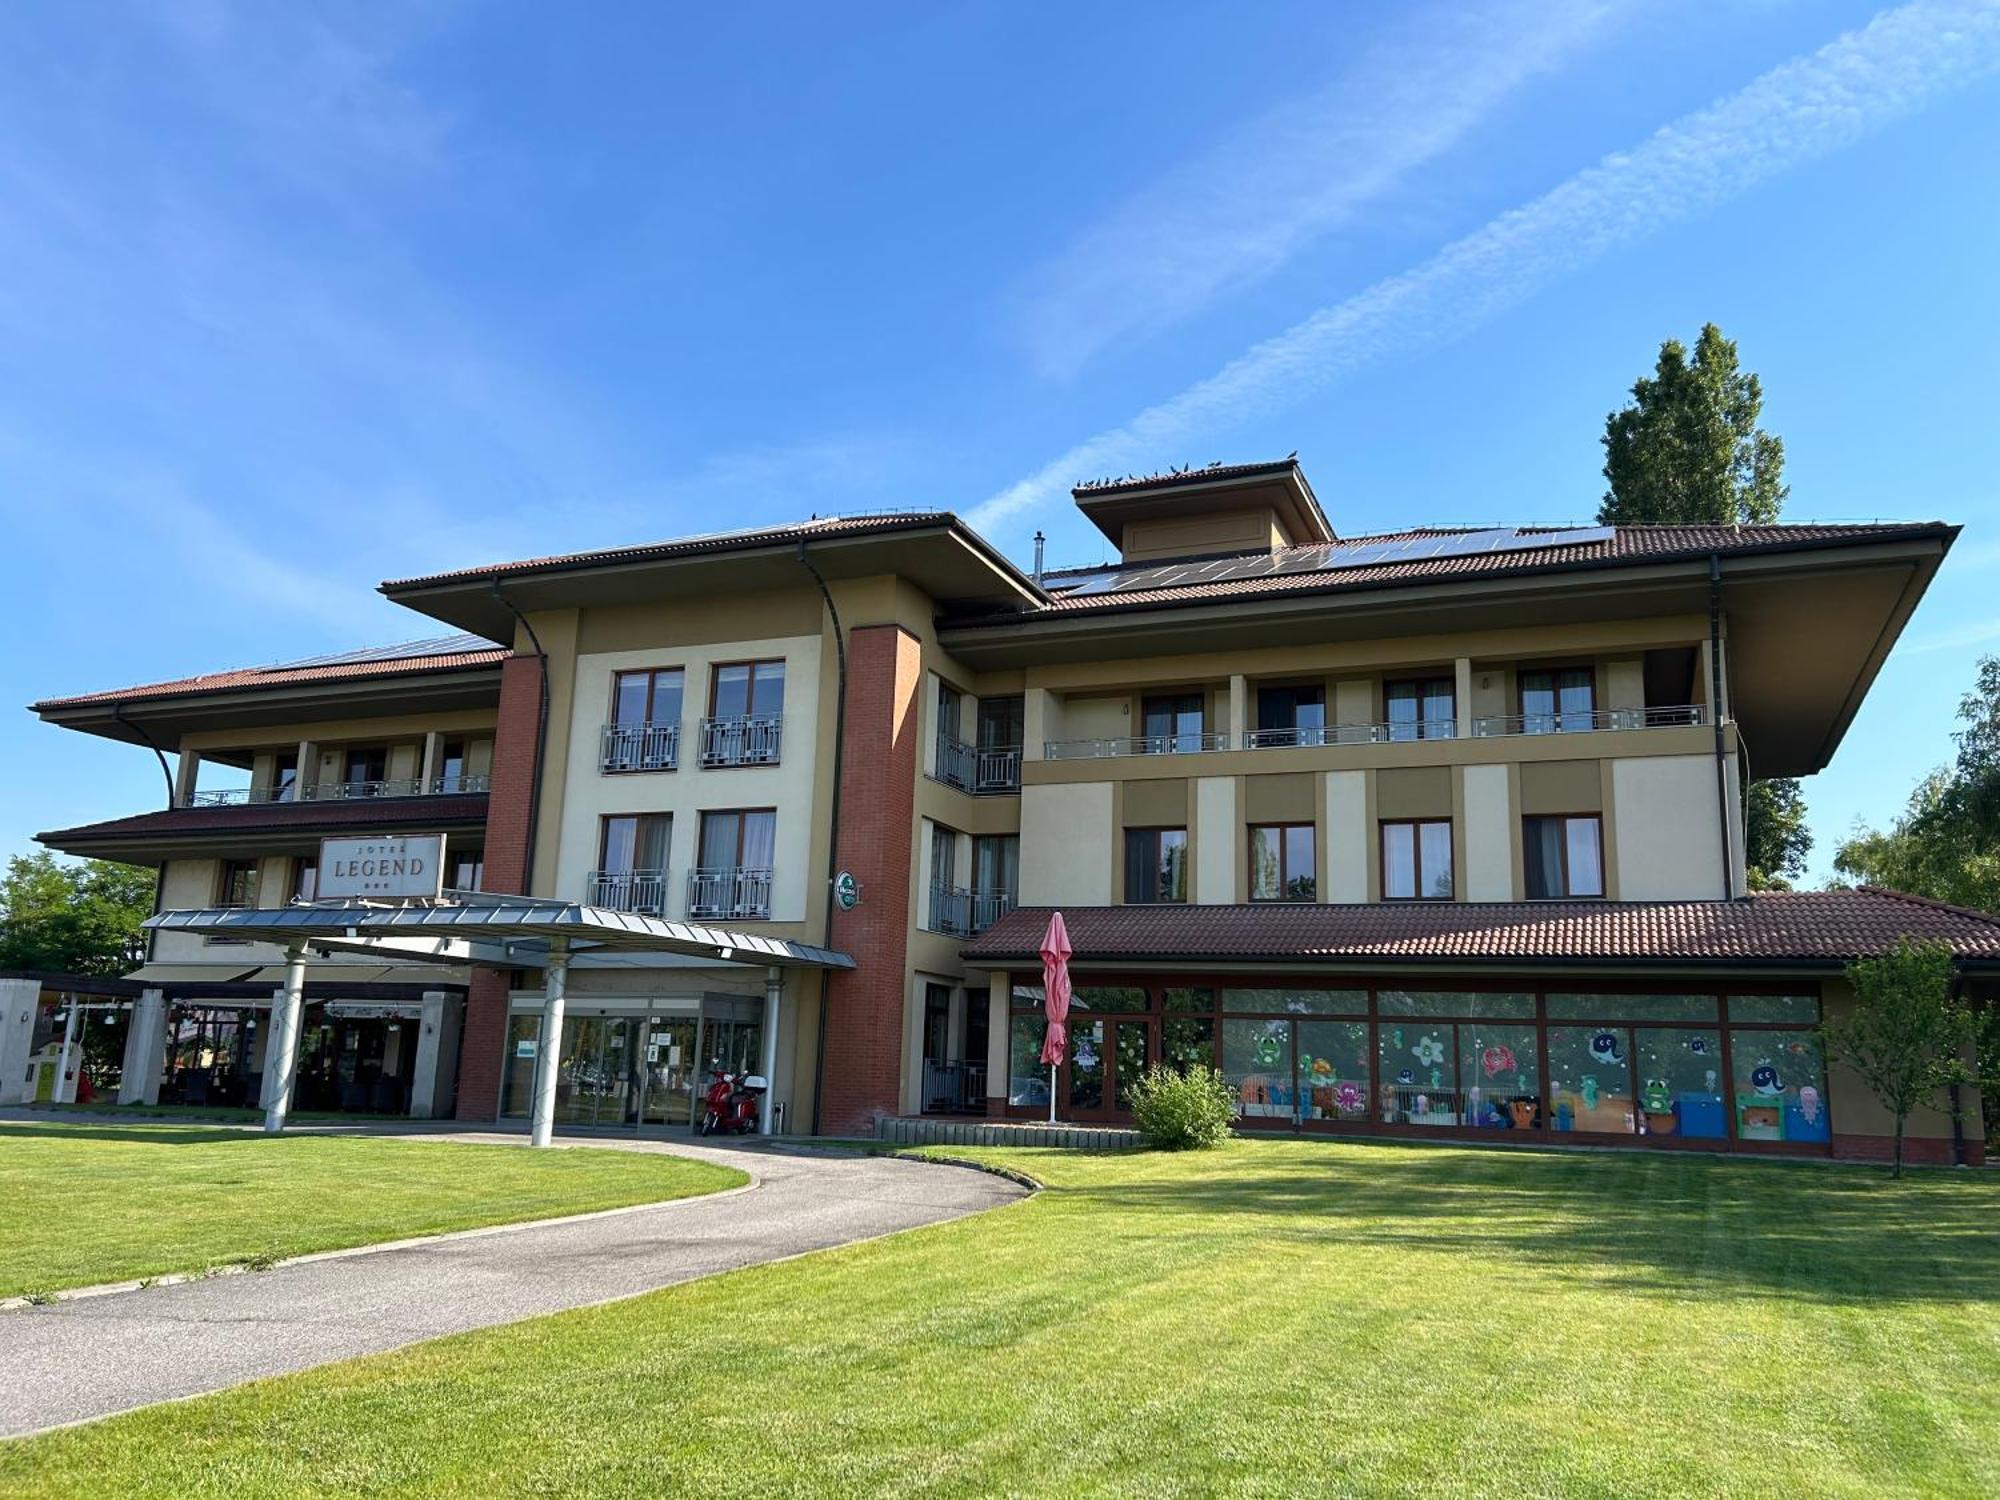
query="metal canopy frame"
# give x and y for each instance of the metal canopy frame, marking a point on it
(514, 934)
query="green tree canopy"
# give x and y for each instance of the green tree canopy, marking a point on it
(1776, 839)
(1687, 448)
(71, 918)
(1908, 1034)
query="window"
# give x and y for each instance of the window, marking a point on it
(367, 769)
(1281, 863)
(1002, 723)
(996, 878)
(1558, 702)
(285, 776)
(238, 883)
(1590, 1080)
(1780, 1079)
(1172, 722)
(1290, 716)
(749, 689)
(451, 766)
(468, 870)
(1420, 709)
(651, 696)
(951, 711)
(632, 851)
(1155, 864)
(1563, 856)
(1416, 861)
(305, 880)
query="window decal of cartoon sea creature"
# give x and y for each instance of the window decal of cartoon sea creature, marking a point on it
(1406, 1075)
(1607, 1047)
(1698, 1045)
(1656, 1097)
(1588, 1088)
(1429, 1050)
(1349, 1097)
(1497, 1060)
(1086, 1054)
(1765, 1080)
(1268, 1052)
(1809, 1104)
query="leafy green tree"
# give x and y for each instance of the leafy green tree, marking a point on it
(71, 918)
(1776, 839)
(1908, 1034)
(1687, 449)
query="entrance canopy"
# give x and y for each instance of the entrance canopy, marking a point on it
(506, 931)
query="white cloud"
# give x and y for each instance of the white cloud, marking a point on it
(1801, 110)
(1306, 166)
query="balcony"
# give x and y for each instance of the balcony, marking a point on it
(1350, 734)
(338, 791)
(1140, 744)
(638, 747)
(643, 891)
(734, 894)
(983, 770)
(957, 912)
(1588, 721)
(746, 740)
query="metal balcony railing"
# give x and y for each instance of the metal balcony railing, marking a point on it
(989, 907)
(639, 747)
(1587, 721)
(729, 893)
(464, 781)
(954, 1087)
(746, 740)
(1351, 734)
(950, 911)
(349, 791)
(340, 791)
(983, 770)
(643, 891)
(1140, 744)
(238, 796)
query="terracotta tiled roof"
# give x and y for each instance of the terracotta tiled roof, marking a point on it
(693, 546)
(1827, 927)
(1628, 546)
(450, 653)
(1168, 478)
(277, 817)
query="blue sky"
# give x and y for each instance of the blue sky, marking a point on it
(293, 299)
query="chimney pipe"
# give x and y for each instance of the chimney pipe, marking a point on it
(1040, 542)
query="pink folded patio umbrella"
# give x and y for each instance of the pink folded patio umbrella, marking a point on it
(1055, 993)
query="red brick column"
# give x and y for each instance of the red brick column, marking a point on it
(878, 793)
(511, 789)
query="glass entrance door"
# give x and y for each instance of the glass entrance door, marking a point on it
(668, 1073)
(1106, 1057)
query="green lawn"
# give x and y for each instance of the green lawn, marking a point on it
(92, 1203)
(1278, 1318)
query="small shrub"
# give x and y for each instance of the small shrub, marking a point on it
(1178, 1111)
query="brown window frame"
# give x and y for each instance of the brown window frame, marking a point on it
(1383, 825)
(1423, 728)
(1284, 874)
(739, 813)
(254, 868)
(652, 676)
(1603, 875)
(715, 671)
(1125, 846)
(604, 822)
(1554, 670)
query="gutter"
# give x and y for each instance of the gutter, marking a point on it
(1719, 697)
(833, 828)
(541, 741)
(118, 717)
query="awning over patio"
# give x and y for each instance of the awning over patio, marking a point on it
(509, 932)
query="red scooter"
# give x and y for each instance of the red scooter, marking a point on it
(732, 1104)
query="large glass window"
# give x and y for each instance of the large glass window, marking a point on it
(1419, 1063)
(1185, 1042)
(1291, 715)
(651, 696)
(1500, 1068)
(1027, 1075)
(1558, 702)
(1125, 999)
(1780, 1086)
(1002, 723)
(1563, 856)
(748, 689)
(1281, 863)
(1631, 1007)
(1257, 1065)
(1416, 861)
(285, 776)
(1421, 709)
(743, 840)
(634, 841)
(1333, 1069)
(1172, 722)
(1297, 1002)
(367, 767)
(1792, 1009)
(1590, 1079)
(1155, 865)
(237, 885)
(1498, 1004)
(1680, 1081)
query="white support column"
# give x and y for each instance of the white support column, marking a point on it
(307, 779)
(999, 1029)
(1462, 695)
(1239, 713)
(282, 1060)
(145, 1050)
(437, 1055)
(187, 771)
(548, 1049)
(774, 994)
(19, 999)
(432, 765)
(66, 1061)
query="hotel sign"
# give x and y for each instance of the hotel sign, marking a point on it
(385, 869)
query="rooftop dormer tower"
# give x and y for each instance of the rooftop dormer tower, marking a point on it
(1223, 510)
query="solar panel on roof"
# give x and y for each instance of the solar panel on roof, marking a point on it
(444, 645)
(1331, 557)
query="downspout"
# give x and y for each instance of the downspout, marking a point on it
(541, 743)
(833, 828)
(118, 717)
(1715, 716)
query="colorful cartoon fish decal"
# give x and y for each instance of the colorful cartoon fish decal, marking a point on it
(1765, 1080)
(1606, 1047)
(1497, 1060)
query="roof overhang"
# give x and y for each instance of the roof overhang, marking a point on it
(936, 552)
(509, 934)
(1280, 487)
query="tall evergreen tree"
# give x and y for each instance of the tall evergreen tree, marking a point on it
(1687, 448)
(1686, 451)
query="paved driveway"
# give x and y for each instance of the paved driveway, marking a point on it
(72, 1361)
